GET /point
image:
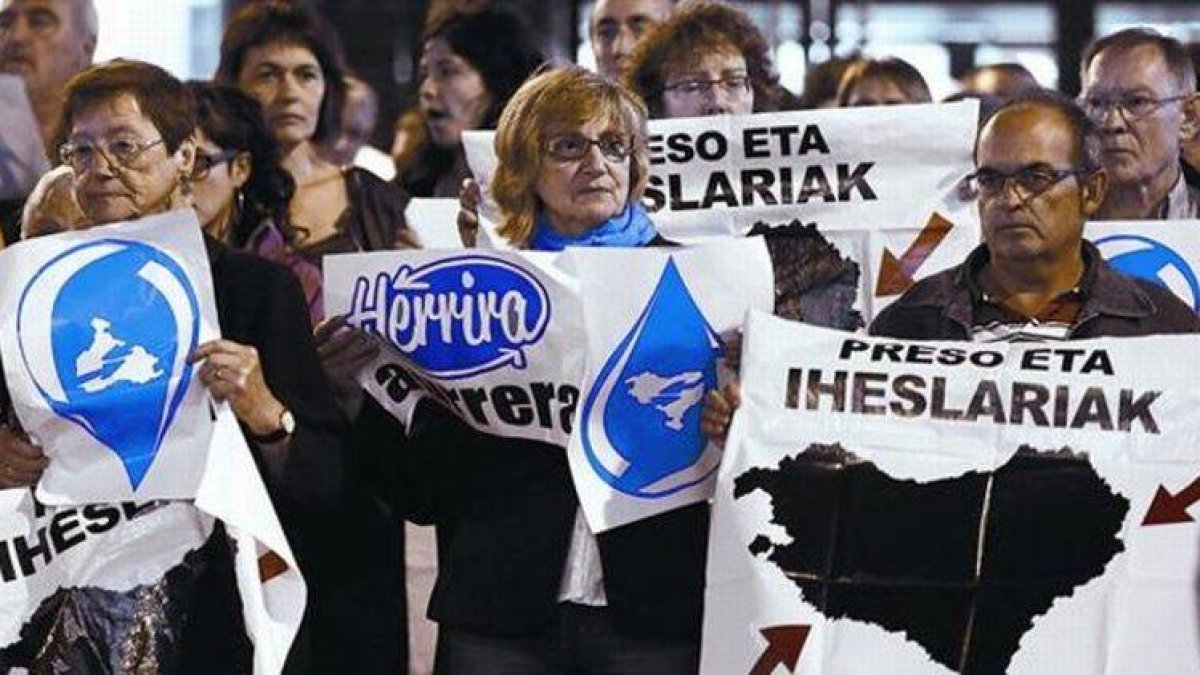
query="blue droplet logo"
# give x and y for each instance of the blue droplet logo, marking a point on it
(121, 317)
(1145, 258)
(641, 419)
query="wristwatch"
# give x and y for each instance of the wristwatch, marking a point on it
(287, 425)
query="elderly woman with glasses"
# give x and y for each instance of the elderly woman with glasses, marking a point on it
(706, 59)
(129, 141)
(524, 586)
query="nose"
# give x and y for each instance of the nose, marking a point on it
(428, 89)
(623, 44)
(593, 159)
(1110, 117)
(717, 100)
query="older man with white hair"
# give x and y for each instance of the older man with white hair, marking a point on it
(46, 43)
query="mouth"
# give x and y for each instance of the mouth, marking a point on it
(436, 116)
(13, 62)
(1010, 227)
(288, 118)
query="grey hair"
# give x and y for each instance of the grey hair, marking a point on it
(85, 19)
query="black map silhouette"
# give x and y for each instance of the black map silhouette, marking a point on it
(925, 560)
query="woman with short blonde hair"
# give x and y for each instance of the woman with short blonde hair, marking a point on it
(549, 103)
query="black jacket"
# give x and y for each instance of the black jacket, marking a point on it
(506, 508)
(348, 549)
(941, 307)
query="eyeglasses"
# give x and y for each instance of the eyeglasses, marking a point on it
(733, 85)
(1131, 107)
(123, 152)
(1030, 181)
(572, 147)
(205, 162)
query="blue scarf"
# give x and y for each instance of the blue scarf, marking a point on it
(629, 228)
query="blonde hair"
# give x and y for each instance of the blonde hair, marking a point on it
(553, 101)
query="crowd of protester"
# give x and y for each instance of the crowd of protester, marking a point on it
(270, 155)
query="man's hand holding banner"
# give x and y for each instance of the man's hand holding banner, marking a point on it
(922, 507)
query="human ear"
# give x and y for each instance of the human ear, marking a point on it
(240, 168)
(1190, 126)
(1093, 190)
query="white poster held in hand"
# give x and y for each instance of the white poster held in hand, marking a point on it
(941, 507)
(494, 336)
(887, 166)
(22, 157)
(655, 319)
(99, 549)
(96, 327)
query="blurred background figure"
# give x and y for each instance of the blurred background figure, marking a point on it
(615, 27)
(46, 42)
(1005, 80)
(360, 114)
(470, 65)
(706, 59)
(290, 61)
(821, 83)
(887, 81)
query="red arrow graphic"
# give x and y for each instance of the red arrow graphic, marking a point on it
(896, 274)
(784, 644)
(1168, 509)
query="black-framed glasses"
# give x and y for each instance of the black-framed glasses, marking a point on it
(123, 152)
(1130, 106)
(733, 85)
(1029, 181)
(572, 147)
(205, 161)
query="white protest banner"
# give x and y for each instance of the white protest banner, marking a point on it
(495, 336)
(1166, 252)
(654, 318)
(889, 166)
(937, 507)
(95, 330)
(101, 549)
(436, 223)
(22, 157)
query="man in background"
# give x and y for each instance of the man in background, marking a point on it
(615, 27)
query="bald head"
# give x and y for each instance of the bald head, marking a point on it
(1006, 80)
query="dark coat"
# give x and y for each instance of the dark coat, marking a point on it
(940, 307)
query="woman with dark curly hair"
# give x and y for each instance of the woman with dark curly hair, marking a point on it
(470, 66)
(290, 61)
(706, 59)
(239, 191)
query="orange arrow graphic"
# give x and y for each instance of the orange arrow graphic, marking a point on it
(1168, 509)
(896, 274)
(784, 644)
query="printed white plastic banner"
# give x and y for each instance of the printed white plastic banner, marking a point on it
(655, 320)
(495, 336)
(888, 166)
(95, 330)
(96, 327)
(938, 507)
